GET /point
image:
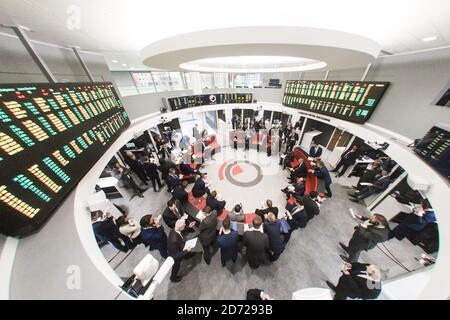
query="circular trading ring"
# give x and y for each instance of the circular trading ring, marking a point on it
(252, 183)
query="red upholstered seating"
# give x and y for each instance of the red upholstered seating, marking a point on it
(248, 217)
(200, 205)
(311, 179)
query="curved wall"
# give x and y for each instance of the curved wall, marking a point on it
(42, 264)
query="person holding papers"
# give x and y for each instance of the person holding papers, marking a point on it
(176, 248)
(257, 244)
(175, 211)
(208, 233)
(227, 241)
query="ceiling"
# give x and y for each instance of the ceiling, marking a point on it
(119, 29)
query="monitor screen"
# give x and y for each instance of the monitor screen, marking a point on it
(346, 100)
(434, 148)
(51, 135)
(208, 99)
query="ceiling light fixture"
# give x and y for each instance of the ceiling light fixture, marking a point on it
(428, 39)
(124, 64)
(115, 61)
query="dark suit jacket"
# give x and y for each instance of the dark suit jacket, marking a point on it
(106, 230)
(272, 229)
(349, 158)
(215, 204)
(315, 153)
(228, 244)
(175, 246)
(170, 218)
(151, 169)
(354, 286)
(257, 245)
(186, 169)
(155, 238)
(324, 174)
(381, 184)
(199, 188)
(300, 171)
(172, 181)
(179, 193)
(367, 238)
(311, 207)
(261, 213)
(164, 168)
(208, 229)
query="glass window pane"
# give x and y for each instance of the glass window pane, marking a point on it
(162, 81)
(221, 80)
(143, 82)
(207, 80)
(177, 82)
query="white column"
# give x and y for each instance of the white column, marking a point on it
(196, 83)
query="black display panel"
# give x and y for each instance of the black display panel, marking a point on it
(208, 99)
(346, 100)
(434, 148)
(51, 135)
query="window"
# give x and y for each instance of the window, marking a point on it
(207, 80)
(247, 80)
(162, 81)
(221, 80)
(176, 81)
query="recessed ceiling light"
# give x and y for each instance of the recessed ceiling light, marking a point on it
(124, 64)
(115, 61)
(428, 39)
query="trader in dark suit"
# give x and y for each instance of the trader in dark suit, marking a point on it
(268, 208)
(187, 170)
(257, 245)
(366, 236)
(295, 190)
(200, 187)
(180, 193)
(172, 180)
(106, 229)
(153, 235)
(175, 248)
(315, 151)
(227, 241)
(208, 232)
(273, 229)
(299, 172)
(214, 204)
(164, 167)
(379, 185)
(358, 281)
(322, 173)
(311, 207)
(347, 159)
(151, 169)
(174, 212)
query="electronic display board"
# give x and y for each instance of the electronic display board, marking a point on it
(346, 100)
(208, 99)
(51, 135)
(434, 148)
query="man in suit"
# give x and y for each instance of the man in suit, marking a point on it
(135, 166)
(366, 236)
(322, 173)
(268, 208)
(172, 180)
(164, 167)
(286, 159)
(299, 172)
(151, 169)
(311, 207)
(295, 190)
(196, 132)
(347, 159)
(175, 248)
(358, 281)
(296, 218)
(273, 229)
(180, 193)
(153, 235)
(200, 187)
(106, 229)
(208, 232)
(187, 170)
(227, 241)
(379, 185)
(214, 204)
(257, 245)
(315, 151)
(174, 212)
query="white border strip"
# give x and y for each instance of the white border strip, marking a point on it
(6, 265)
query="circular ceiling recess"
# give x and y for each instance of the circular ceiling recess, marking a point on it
(261, 49)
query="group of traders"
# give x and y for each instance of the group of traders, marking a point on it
(265, 239)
